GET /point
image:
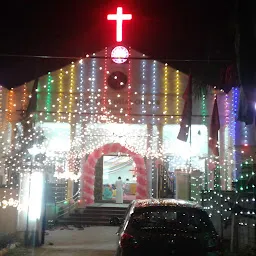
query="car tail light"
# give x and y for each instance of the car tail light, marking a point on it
(128, 241)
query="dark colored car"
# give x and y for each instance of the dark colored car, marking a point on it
(166, 227)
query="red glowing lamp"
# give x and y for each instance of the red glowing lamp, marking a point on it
(119, 17)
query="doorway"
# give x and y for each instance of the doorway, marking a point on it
(115, 166)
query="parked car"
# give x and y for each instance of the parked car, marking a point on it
(166, 227)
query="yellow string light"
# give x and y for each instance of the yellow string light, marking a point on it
(10, 105)
(71, 88)
(60, 96)
(24, 97)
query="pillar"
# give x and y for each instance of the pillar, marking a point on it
(31, 216)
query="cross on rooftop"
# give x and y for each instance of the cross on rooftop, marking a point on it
(119, 17)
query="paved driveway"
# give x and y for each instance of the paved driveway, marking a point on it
(92, 238)
(70, 252)
(92, 241)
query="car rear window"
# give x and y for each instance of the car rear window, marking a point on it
(170, 217)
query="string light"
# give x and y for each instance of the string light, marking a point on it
(49, 96)
(81, 91)
(165, 92)
(234, 130)
(10, 105)
(203, 109)
(177, 111)
(135, 137)
(143, 78)
(60, 96)
(71, 88)
(245, 133)
(92, 89)
(129, 89)
(153, 92)
(105, 87)
(227, 173)
(24, 98)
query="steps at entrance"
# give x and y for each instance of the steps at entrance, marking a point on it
(94, 215)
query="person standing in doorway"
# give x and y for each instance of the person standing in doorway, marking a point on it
(119, 191)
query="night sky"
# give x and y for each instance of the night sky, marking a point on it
(170, 29)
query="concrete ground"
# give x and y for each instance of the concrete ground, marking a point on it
(92, 241)
(70, 252)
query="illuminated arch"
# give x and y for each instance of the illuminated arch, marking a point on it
(89, 171)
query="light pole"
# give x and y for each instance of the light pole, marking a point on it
(32, 152)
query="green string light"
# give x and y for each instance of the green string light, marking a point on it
(38, 98)
(49, 96)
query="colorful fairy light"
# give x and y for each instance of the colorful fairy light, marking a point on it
(245, 133)
(129, 88)
(81, 91)
(153, 92)
(92, 83)
(88, 107)
(165, 92)
(235, 94)
(177, 109)
(105, 87)
(49, 96)
(60, 96)
(24, 98)
(203, 109)
(143, 90)
(10, 105)
(71, 93)
(96, 132)
(227, 158)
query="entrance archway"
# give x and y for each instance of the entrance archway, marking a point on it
(89, 171)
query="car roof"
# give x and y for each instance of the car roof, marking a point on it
(142, 203)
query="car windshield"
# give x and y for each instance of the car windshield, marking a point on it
(171, 217)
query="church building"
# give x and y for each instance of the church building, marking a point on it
(118, 113)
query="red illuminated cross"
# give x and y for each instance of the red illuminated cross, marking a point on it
(119, 17)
